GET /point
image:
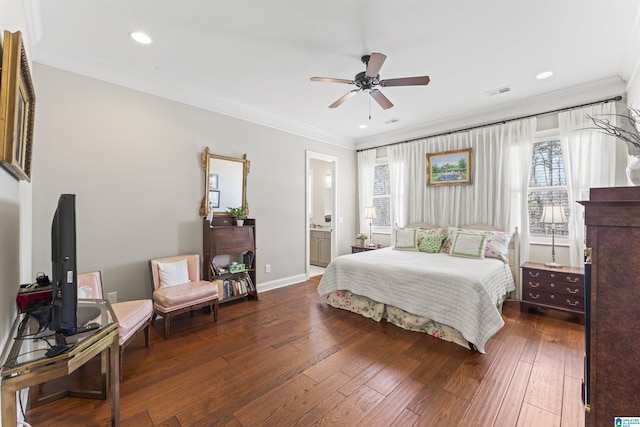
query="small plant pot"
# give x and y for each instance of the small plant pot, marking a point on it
(240, 222)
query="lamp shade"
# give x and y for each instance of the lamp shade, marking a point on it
(369, 213)
(553, 214)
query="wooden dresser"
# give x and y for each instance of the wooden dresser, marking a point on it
(612, 280)
(553, 288)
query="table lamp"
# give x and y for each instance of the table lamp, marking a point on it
(370, 214)
(553, 214)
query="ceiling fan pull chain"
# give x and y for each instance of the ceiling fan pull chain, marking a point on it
(369, 108)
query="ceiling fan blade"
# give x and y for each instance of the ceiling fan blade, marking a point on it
(381, 99)
(331, 80)
(406, 81)
(342, 100)
(375, 63)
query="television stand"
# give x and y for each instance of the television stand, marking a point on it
(28, 369)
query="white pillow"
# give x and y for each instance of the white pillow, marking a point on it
(173, 273)
(468, 245)
(406, 239)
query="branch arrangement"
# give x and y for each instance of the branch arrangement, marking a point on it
(627, 132)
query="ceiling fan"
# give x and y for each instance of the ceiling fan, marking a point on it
(369, 79)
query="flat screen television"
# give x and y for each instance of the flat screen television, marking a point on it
(64, 295)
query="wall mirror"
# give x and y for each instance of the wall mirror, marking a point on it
(225, 183)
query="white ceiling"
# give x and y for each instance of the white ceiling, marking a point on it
(253, 58)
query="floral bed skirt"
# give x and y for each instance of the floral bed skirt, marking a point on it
(378, 311)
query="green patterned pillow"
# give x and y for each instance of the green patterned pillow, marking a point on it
(431, 242)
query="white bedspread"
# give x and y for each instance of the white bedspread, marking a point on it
(462, 293)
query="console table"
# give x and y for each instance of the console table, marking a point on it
(27, 365)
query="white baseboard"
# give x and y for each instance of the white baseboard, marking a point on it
(280, 283)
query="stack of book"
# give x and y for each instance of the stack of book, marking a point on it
(234, 287)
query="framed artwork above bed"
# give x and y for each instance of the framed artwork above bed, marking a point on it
(449, 167)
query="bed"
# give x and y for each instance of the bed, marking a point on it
(455, 298)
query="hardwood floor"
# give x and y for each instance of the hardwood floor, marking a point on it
(290, 359)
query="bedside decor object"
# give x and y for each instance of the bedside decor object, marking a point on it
(362, 238)
(17, 108)
(370, 214)
(553, 214)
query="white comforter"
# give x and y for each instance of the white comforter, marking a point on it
(465, 294)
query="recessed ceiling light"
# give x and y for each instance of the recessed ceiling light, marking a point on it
(363, 126)
(544, 75)
(140, 37)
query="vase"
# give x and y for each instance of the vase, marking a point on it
(240, 222)
(361, 242)
(633, 170)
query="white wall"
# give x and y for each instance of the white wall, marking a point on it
(133, 161)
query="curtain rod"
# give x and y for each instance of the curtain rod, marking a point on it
(501, 122)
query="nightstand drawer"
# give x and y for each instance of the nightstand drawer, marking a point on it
(558, 277)
(559, 288)
(572, 289)
(558, 300)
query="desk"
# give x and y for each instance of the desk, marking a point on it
(27, 365)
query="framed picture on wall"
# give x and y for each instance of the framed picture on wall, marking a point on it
(213, 182)
(449, 167)
(17, 108)
(214, 199)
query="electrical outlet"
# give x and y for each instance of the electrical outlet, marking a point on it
(113, 297)
(267, 268)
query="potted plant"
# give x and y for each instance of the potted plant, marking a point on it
(239, 213)
(362, 238)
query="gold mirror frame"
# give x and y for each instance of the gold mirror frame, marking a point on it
(223, 179)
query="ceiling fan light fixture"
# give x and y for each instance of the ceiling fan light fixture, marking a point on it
(140, 37)
(544, 75)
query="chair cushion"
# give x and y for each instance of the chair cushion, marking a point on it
(180, 296)
(131, 316)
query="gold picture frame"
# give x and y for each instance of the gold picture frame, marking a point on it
(17, 108)
(449, 167)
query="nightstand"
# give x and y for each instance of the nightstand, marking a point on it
(553, 288)
(364, 248)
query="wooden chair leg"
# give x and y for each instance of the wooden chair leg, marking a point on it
(215, 311)
(166, 326)
(146, 335)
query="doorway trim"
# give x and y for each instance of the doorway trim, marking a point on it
(334, 217)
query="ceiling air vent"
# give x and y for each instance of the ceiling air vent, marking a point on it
(498, 91)
(388, 122)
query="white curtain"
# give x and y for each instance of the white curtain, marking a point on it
(589, 161)
(366, 164)
(488, 199)
(521, 152)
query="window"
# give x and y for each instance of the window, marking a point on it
(547, 186)
(382, 196)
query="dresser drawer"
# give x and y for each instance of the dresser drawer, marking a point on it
(569, 302)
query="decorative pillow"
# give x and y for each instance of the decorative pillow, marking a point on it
(448, 241)
(431, 241)
(406, 239)
(468, 245)
(173, 273)
(497, 245)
